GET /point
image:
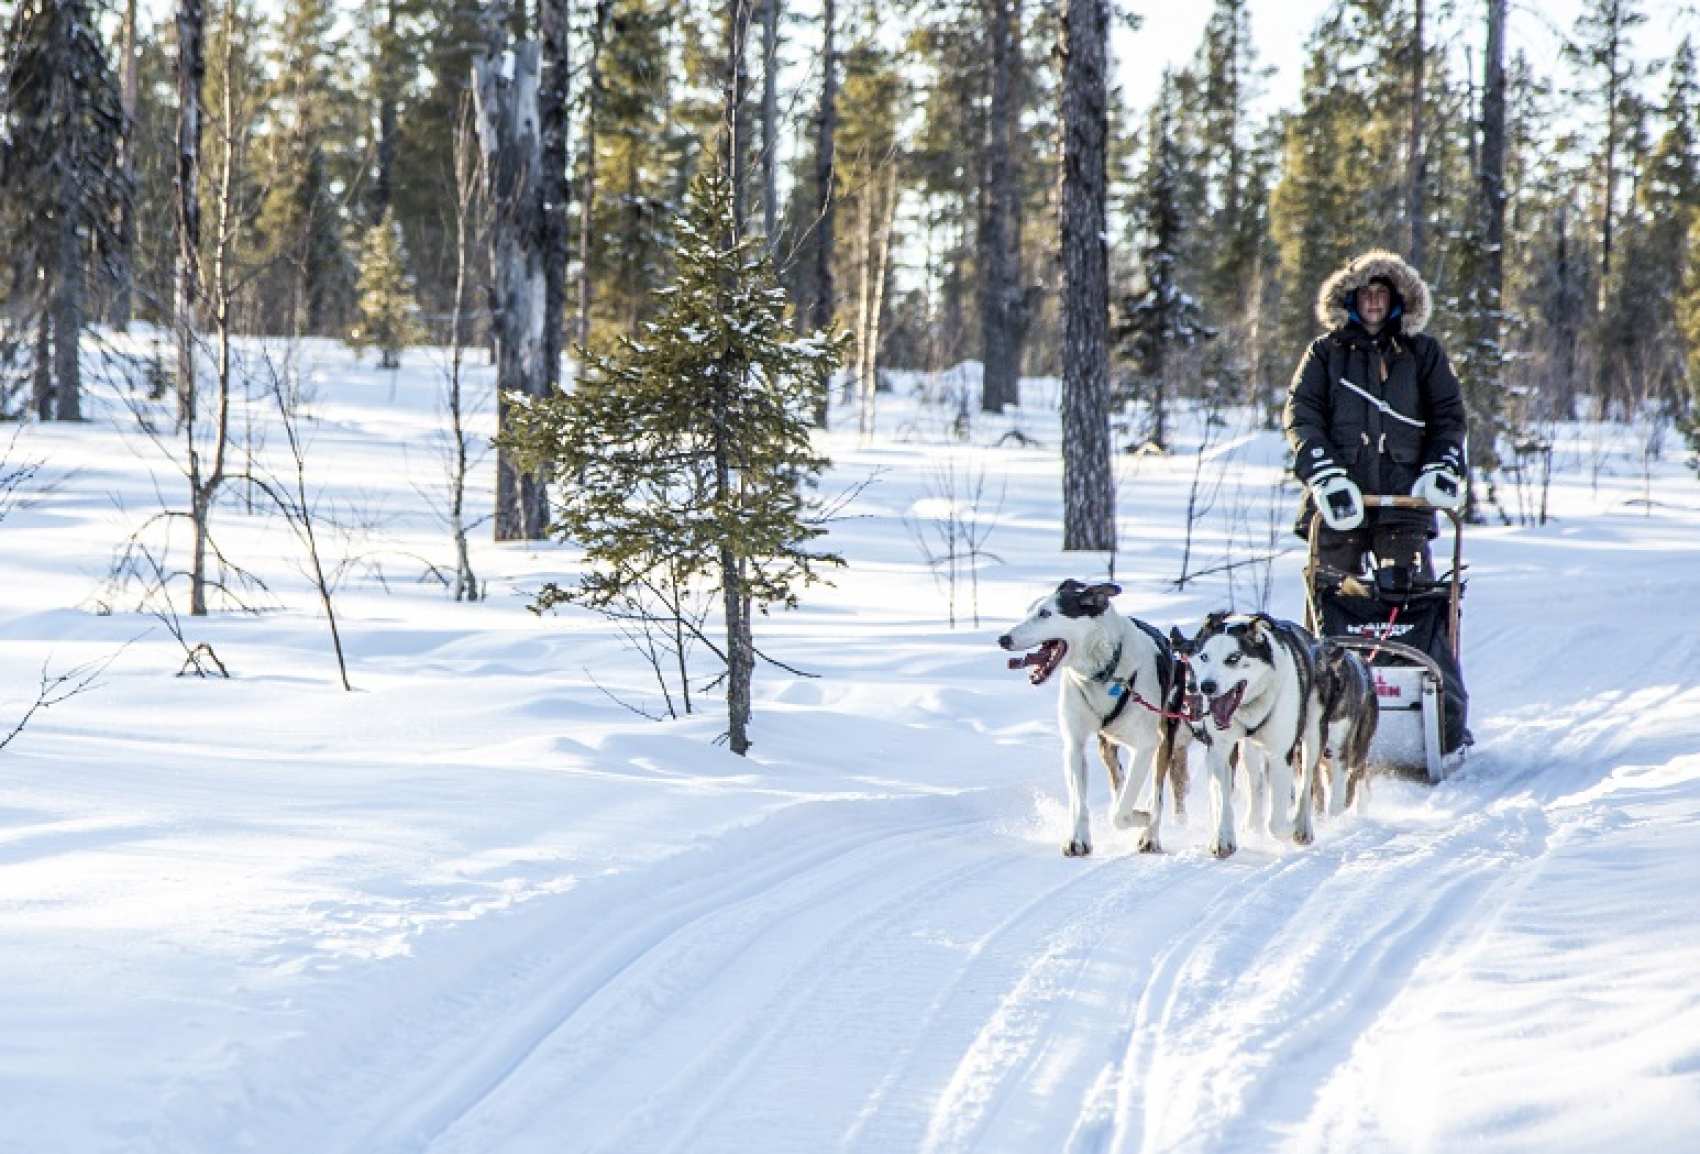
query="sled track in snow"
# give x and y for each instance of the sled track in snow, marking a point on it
(751, 898)
(960, 993)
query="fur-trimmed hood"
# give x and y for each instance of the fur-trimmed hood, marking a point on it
(1336, 291)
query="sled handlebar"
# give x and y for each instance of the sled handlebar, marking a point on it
(1376, 501)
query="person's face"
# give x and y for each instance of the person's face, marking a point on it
(1373, 302)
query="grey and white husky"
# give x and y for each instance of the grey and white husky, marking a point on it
(1117, 680)
(1254, 685)
(1350, 713)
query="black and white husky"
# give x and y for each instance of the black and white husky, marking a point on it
(1255, 679)
(1117, 680)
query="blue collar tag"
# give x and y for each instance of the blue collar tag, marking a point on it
(1117, 689)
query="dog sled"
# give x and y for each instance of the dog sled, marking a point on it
(1406, 627)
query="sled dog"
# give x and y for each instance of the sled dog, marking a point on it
(1116, 680)
(1350, 712)
(1253, 685)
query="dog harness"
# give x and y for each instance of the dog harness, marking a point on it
(1123, 692)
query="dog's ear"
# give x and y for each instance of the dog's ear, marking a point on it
(1077, 600)
(1094, 599)
(1254, 629)
(1213, 622)
(1179, 643)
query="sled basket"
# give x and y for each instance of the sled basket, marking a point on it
(1411, 641)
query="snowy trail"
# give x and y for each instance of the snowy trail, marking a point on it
(476, 908)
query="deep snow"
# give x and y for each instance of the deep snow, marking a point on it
(476, 906)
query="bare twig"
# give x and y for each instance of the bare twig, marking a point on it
(56, 688)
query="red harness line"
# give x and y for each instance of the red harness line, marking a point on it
(1160, 712)
(1386, 633)
(1137, 699)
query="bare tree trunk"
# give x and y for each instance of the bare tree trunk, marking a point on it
(770, 123)
(1493, 166)
(735, 603)
(41, 372)
(1415, 171)
(587, 194)
(124, 259)
(1002, 297)
(466, 191)
(383, 180)
(876, 310)
(554, 93)
(67, 276)
(864, 278)
(1089, 492)
(508, 135)
(1607, 212)
(826, 126)
(203, 490)
(191, 71)
(1564, 357)
(734, 154)
(68, 297)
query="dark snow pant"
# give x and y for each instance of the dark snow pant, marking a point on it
(1394, 541)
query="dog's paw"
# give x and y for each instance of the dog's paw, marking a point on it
(1303, 837)
(1076, 848)
(1148, 842)
(1223, 847)
(1133, 819)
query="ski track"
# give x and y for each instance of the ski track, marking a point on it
(708, 925)
(962, 995)
(1110, 1011)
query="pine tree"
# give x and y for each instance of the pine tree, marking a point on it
(948, 49)
(1342, 186)
(690, 445)
(386, 309)
(1003, 298)
(1668, 201)
(1688, 323)
(308, 277)
(1600, 51)
(1475, 310)
(60, 129)
(423, 187)
(1162, 319)
(636, 149)
(1228, 78)
(1089, 510)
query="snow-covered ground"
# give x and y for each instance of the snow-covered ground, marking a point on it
(478, 907)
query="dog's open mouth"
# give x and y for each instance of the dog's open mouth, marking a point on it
(1044, 660)
(1222, 707)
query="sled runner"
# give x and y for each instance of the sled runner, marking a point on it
(1406, 628)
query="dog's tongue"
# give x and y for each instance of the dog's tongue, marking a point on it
(1036, 657)
(1222, 709)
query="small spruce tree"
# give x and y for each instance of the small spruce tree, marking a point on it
(688, 446)
(1162, 318)
(1688, 325)
(386, 307)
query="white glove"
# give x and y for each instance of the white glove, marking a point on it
(1339, 500)
(1439, 486)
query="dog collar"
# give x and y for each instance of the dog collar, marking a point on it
(1108, 673)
